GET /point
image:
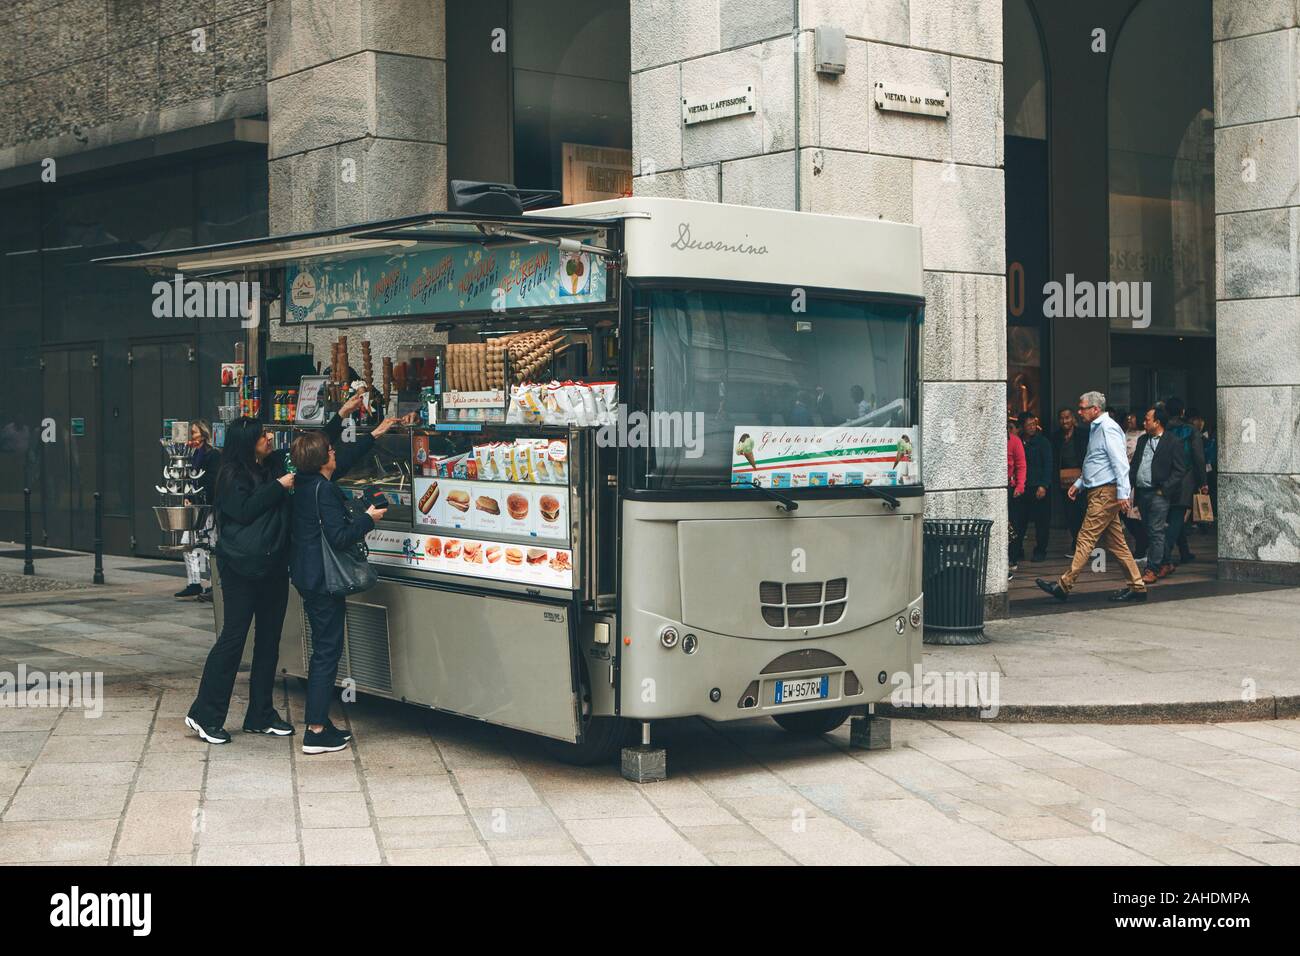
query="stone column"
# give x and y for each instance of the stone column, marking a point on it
(943, 174)
(1257, 206)
(356, 99)
(361, 81)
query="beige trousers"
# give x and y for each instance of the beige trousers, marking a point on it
(1102, 523)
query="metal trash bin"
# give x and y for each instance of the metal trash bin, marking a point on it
(954, 565)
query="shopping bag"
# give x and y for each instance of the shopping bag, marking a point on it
(1202, 508)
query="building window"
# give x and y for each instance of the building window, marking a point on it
(1025, 146)
(1161, 164)
(570, 64)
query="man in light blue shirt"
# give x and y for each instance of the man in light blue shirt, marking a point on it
(1105, 481)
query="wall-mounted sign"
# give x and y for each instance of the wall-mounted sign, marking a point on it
(593, 173)
(737, 101)
(922, 100)
(465, 278)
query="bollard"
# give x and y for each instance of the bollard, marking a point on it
(99, 540)
(28, 566)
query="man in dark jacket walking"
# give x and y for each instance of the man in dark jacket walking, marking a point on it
(320, 511)
(1036, 502)
(1157, 473)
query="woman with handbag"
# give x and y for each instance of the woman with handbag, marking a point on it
(327, 563)
(252, 520)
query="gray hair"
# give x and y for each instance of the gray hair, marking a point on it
(1093, 400)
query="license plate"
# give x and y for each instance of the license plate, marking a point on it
(805, 688)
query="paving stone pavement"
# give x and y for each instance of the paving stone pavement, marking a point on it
(133, 786)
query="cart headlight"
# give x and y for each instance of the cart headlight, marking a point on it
(915, 617)
(900, 624)
(668, 636)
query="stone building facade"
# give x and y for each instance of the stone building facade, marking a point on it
(354, 95)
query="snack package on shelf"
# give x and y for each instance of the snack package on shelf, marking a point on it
(585, 404)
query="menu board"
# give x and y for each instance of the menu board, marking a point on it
(454, 554)
(811, 457)
(526, 510)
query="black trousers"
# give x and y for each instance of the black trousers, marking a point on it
(325, 613)
(1176, 535)
(1025, 510)
(244, 600)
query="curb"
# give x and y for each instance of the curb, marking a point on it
(1266, 708)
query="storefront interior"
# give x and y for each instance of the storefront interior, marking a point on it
(1116, 187)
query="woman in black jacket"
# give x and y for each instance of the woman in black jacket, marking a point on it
(252, 505)
(321, 511)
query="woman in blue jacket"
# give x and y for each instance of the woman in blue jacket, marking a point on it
(320, 508)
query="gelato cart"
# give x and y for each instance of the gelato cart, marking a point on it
(667, 459)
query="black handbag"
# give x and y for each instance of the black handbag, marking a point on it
(346, 572)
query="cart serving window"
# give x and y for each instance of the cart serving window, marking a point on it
(740, 389)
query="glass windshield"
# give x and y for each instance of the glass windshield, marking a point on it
(739, 388)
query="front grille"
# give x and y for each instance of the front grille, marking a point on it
(368, 658)
(805, 616)
(803, 593)
(802, 603)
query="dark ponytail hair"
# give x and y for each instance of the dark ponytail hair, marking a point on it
(239, 455)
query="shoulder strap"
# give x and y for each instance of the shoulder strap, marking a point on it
(320, 522)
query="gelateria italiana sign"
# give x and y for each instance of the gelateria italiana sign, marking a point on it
(737, 101)
(922, 100)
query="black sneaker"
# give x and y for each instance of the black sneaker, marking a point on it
(1128, 594)
(213, 734)
(345, 734)
(189, 591)
(274, 726)
(327, 741)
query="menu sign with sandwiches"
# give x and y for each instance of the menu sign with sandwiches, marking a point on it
(526, 510)
(454, 554)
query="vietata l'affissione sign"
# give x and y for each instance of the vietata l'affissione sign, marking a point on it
(922, 100)
(451, 279)
(737, 101)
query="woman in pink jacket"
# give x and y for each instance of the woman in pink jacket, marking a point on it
(1015, 488)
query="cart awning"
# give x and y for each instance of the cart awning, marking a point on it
(426, 231)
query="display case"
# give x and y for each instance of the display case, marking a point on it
(498, 503)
